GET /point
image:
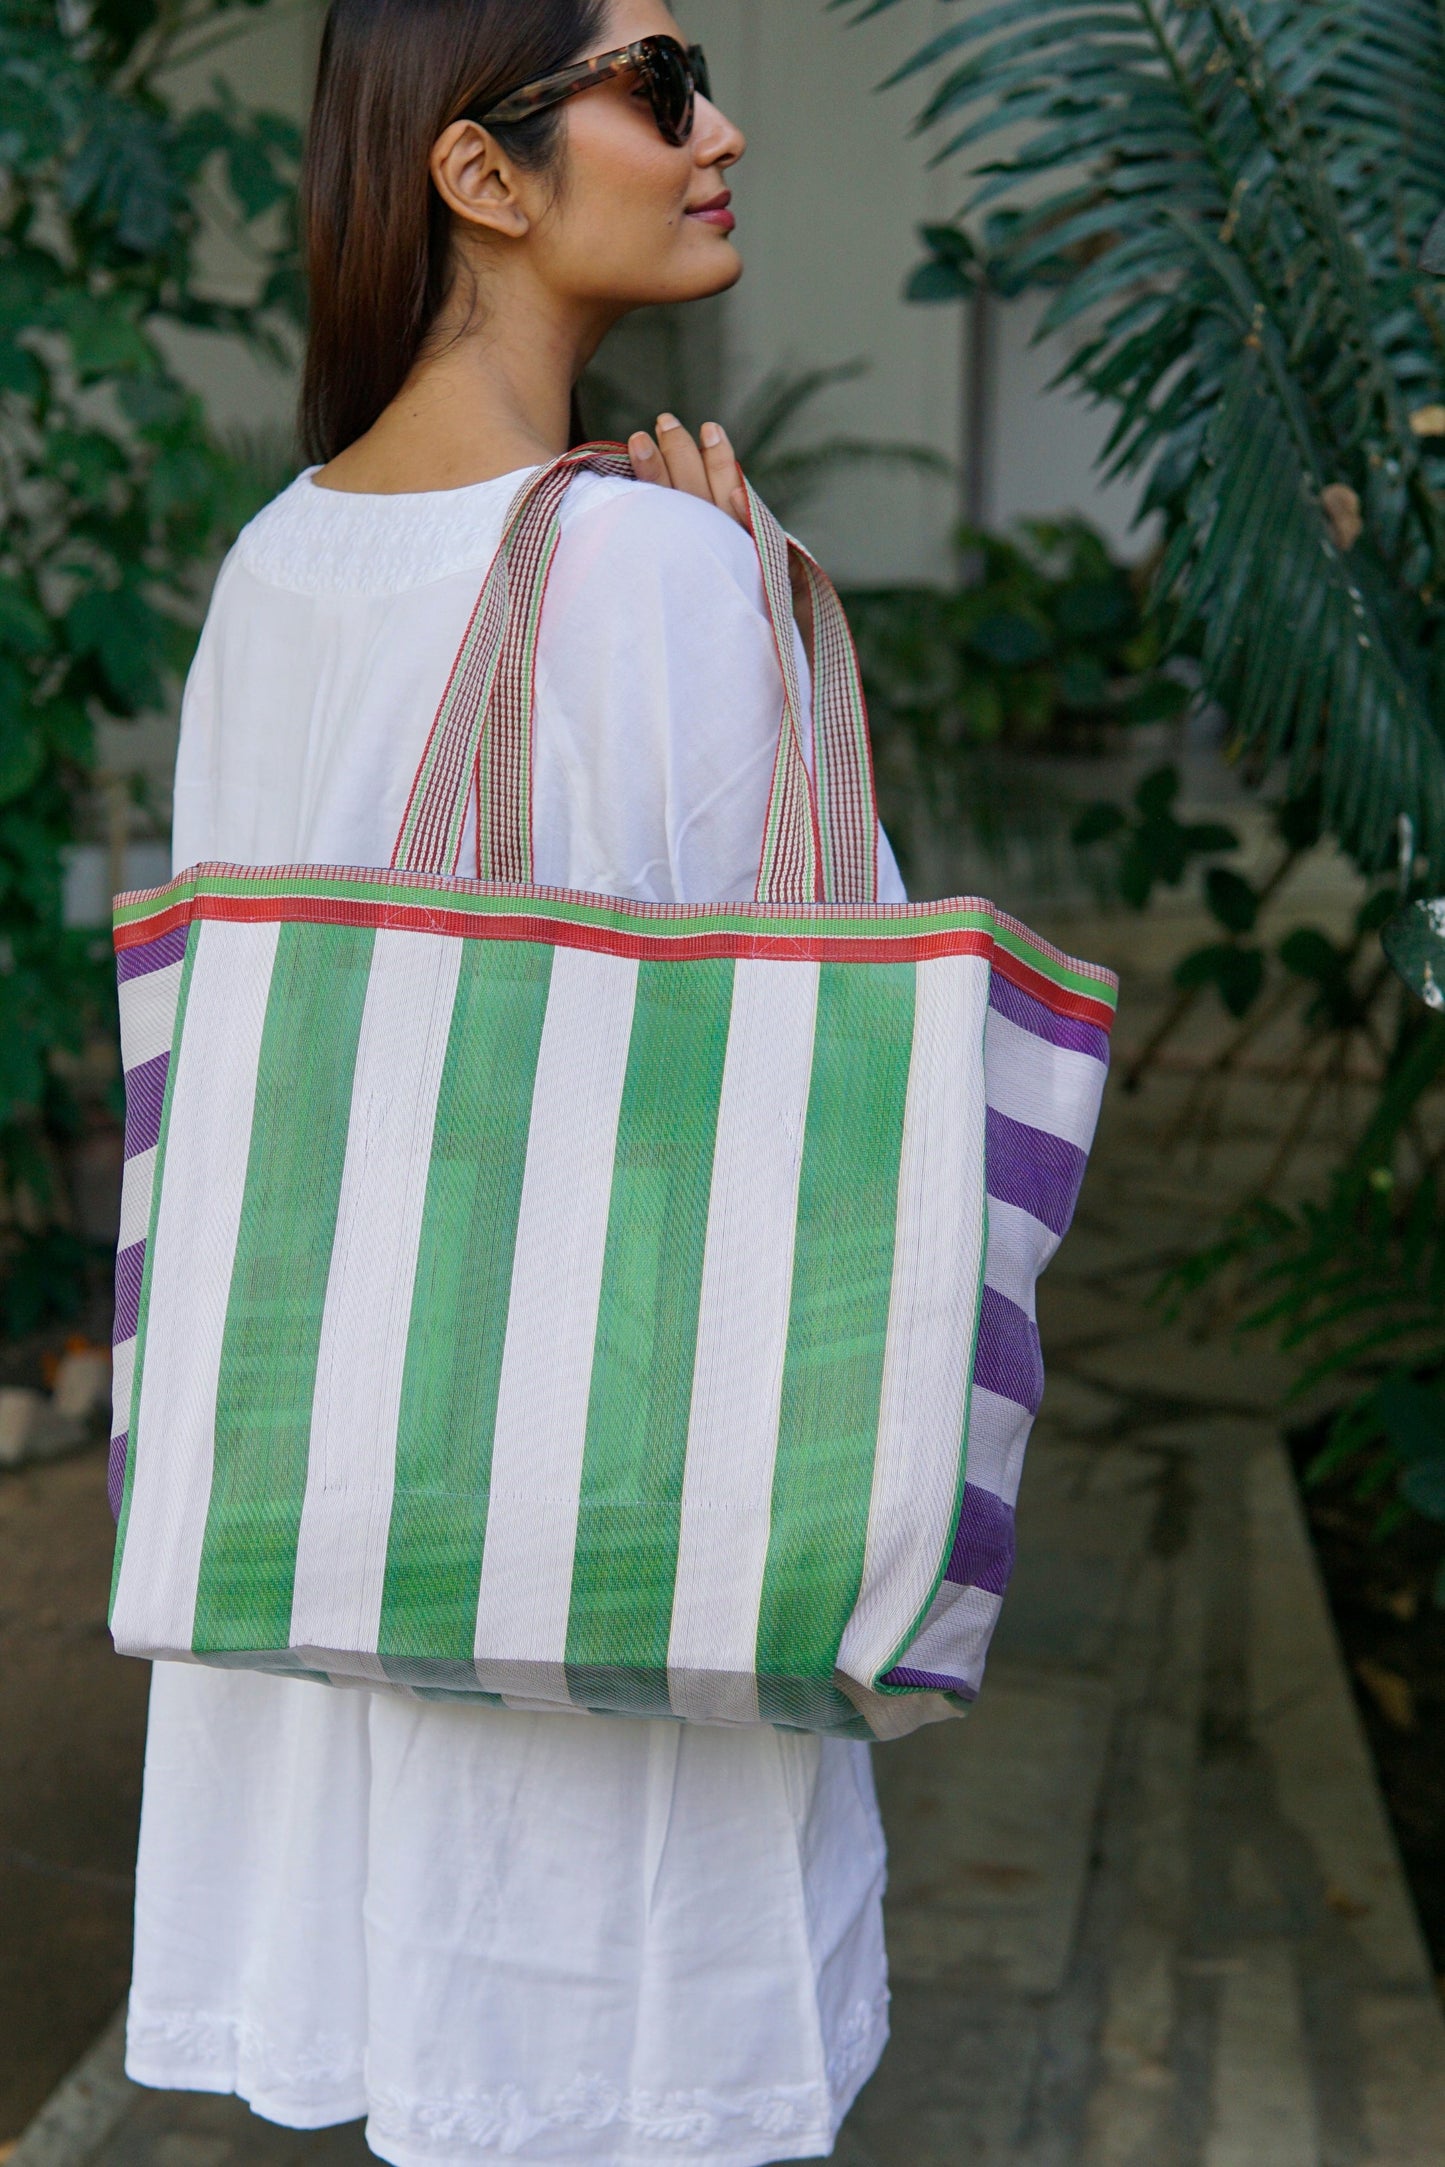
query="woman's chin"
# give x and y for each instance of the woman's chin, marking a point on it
(692, 275)
(718, 268)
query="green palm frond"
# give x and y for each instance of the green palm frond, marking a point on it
(1231, 199)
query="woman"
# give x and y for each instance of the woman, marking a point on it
(500, 1935)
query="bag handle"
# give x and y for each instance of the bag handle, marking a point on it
(846, 808)
(819, 843)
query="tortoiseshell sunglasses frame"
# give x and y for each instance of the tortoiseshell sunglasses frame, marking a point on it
(639, 58)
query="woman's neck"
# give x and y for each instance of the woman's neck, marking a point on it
(481, 403)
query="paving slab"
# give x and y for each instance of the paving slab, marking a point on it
(1212, 1372)
(72, 1721)
(1263, 2105)
(1000, 1817)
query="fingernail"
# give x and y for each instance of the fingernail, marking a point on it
(668, 421)
(640, 446)
(711, 434)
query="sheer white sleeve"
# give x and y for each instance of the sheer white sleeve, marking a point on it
(659, 703)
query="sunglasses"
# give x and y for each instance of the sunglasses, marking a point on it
(673, 76)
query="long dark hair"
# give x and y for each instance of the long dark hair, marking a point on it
(393, 75)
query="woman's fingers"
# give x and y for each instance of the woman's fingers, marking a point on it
(724, 475)
(681, 457)
(646, 460)
(673, 461)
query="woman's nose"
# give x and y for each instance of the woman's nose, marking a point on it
(717, 141)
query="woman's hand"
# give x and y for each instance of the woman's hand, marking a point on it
(674, 461)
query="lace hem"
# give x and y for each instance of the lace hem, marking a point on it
(320, 2076)
(322, 2079)
(732, 2126)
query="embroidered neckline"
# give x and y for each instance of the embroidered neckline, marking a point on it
(332, 542)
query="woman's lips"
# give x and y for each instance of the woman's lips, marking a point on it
(716, 212)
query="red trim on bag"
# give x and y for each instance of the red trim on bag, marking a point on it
(1061, 999)
(146, 930)
(712, 946)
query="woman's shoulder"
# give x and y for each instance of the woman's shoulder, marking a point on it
(651, 540)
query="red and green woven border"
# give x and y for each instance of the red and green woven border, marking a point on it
(477, 910)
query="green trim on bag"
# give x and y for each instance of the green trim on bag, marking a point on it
(832, 1389)
(381, 890)
(1075, 978)
(267, 1385)
(624, 1570)
(568, 907)
(447, 1418)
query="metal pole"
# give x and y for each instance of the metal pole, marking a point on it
(978, 409)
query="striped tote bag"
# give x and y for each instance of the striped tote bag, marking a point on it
(568, 1303)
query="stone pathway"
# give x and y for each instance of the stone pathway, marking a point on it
(1146, 1910)
(1146, 1906)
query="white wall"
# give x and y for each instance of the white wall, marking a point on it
(1045, 443)
(830, 196)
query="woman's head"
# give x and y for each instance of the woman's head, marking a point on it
(420, 218)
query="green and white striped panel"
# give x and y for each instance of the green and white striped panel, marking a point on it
(577, 1328)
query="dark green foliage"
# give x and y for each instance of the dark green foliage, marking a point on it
(49, 1275)
(1151, 847)
(1355, 1284)
(1235, 197)
(1046, 643)
(952, 270)
(1410, 1416)
(114, 498)
(1235, 971)
(1232, 900)
(1414, 941)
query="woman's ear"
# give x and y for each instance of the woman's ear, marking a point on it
(478, 182)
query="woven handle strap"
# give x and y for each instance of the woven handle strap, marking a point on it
(821, 844)
(480, 701)
(841, 846)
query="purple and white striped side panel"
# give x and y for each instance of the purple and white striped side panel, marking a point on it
(1044, 1077)
(150, 989)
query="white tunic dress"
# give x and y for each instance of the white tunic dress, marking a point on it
(499, 1936)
